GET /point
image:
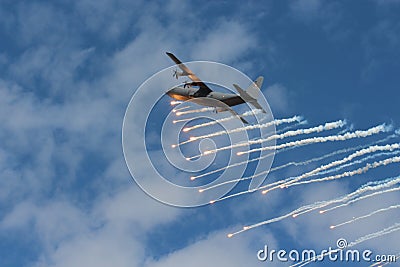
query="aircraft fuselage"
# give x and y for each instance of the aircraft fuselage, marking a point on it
(184, 94)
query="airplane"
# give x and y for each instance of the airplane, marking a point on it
(203, 93)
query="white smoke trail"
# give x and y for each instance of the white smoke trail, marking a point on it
(293, 163)
(341, 151)
(327, 126)
(359, 199)
(367, 158)
(289, 164)
(347, 129)
(182, 120)
(296, 164)
(303, 122)
(366, 216)
(238, 164)
(356, 195)
(245, 128)
(179, 109)
(295, 180)
(321, 139)
(334, 153)
(371, 186)
(359, 153)
(179, 113)
(350, 173)
(232, 195)
(210, 123)
(201, 190)
(276, 219)
(230, 166)
(395, 227)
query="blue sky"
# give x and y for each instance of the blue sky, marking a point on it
(68, 71)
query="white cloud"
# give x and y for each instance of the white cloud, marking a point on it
(108, 247)
(57, 118)
(327, 15)
(217, 250)
(34, 23)
(133, 207)
(278, 98)
(229, 41)
(109, 20)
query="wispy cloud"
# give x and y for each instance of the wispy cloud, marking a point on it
(62, 104)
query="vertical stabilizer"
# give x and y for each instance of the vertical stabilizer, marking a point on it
(254, 89)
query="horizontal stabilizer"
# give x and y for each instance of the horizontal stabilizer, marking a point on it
(249, 98)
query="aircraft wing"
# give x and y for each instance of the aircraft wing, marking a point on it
(204, 90)
(234, 113)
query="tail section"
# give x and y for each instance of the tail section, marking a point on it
(252, 93)
(254, 89)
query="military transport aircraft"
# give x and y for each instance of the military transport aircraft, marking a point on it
(203, 93)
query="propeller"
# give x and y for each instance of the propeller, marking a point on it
(175, 74)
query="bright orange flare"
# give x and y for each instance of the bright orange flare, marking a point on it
(230, 235)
